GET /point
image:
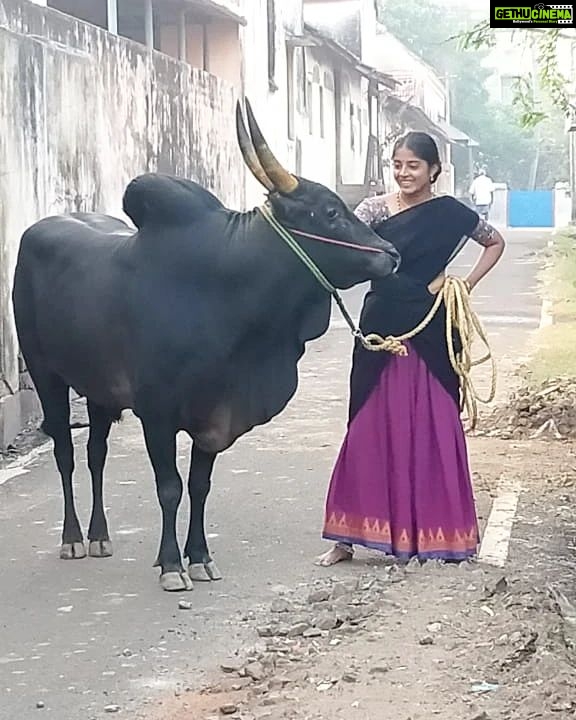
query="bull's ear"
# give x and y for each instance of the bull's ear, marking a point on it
(248, 152)
(283, 181)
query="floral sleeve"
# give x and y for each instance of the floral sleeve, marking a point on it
(372, 210)
(484, 233)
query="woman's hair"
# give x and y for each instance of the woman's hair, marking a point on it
(423, 146)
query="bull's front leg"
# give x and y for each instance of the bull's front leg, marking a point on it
(202, 567)
(161, 444)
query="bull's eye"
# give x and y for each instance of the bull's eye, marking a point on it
(332, 213)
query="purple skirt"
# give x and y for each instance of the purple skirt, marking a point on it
(401, 483)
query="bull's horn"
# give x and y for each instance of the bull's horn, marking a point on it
(248, 152)
(282, 179)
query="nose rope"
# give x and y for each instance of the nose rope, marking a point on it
(331, 241)
(268, 215)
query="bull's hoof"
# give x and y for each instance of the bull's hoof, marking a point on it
(176, 582)
(100, 548)
(72, 551)
(200, 572)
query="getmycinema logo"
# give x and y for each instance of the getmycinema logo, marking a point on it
(504, 15)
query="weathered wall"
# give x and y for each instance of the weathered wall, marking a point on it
(81, 113)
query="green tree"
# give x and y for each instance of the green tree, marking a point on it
(512, 149)
(554, 87)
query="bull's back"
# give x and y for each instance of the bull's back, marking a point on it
(67, 301)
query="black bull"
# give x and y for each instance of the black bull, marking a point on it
(195, 321)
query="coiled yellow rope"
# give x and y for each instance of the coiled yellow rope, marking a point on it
(459, 316)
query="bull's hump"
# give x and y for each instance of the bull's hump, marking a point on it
(153, 199)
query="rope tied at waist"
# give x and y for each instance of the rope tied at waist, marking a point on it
(460, 316)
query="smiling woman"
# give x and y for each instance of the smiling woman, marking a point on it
(401, 483)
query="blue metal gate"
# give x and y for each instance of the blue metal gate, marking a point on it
(531, 208)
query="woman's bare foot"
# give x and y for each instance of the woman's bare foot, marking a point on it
(338, 553)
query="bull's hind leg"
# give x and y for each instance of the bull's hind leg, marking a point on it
(55, 398)
(201, 566)
(161, 445)
(100, 423)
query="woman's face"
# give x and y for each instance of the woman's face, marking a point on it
(410, 172)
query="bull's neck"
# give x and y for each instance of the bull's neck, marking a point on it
(275, 247)
(279, 269)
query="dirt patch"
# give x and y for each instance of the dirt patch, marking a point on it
(405, 643)
(539, 465)
(546, 411)
(217, 701)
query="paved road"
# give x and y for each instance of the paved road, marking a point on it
(79, 636)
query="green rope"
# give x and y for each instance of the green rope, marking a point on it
(268, 215)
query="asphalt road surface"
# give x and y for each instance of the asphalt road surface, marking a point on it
(79, 637)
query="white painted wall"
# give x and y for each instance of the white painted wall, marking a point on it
(562, 204)
(354, 138)
(317, 148)
(318, 126)
(271, 106)
(422, 83)
(368, 28)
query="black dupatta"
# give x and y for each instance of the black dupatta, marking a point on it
(428, 237)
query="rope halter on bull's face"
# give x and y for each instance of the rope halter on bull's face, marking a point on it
(270, 173)
(454, 295)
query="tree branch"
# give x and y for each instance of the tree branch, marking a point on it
(550, 80)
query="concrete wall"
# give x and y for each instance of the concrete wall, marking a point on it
(214, 47)
(562, 204)
(354, 129)
(423, 87)
(270, 99)
(318, 135)
(83, 112)
(499, 209)
(224, 56)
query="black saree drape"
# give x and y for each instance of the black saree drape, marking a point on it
(428, 236)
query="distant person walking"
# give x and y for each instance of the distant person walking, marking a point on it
(482, 193)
